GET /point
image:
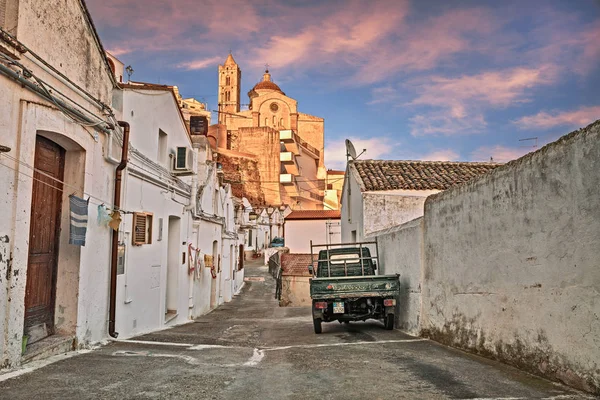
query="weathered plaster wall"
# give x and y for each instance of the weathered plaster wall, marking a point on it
(50, 28)
(400, 252)
(352, 210)
(385, 210)
(511, 262)
(295, 291)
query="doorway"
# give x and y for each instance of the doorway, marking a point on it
(173, 264)
(44, 237)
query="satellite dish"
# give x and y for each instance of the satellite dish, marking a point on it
(350, 150)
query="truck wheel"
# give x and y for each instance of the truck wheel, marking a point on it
(317, 325)
(389, 322)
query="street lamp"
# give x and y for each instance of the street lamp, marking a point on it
(129, 71)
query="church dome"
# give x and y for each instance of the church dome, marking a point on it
(267, 84)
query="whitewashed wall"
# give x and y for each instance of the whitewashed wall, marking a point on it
(512, 262)
(384, 210)
(299, 233)
(82, 286)
(400, 252)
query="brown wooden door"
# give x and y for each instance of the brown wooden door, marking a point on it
(44, 237)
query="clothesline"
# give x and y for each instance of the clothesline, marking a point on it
(101, 202)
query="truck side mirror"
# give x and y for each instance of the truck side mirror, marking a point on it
(310, 269)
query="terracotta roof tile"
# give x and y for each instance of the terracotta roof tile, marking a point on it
(416, 175)
(314, 214)
(295, 264)
(267, 85)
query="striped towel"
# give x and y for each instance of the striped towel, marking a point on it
(79, 218)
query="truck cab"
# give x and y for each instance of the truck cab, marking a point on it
(345, 286)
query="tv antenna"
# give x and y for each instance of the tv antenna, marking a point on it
(535, 143)
(351, 151)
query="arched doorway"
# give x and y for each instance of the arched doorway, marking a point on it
(44, 239)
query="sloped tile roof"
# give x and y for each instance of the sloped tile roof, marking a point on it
(295, 264)
(416, 175)
(314, 214)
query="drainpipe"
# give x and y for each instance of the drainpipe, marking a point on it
(115, 234)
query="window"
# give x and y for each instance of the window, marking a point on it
(250, 238)
(142, 228)
(353, 236)
(162, 155)
(330, 186)
(228, 81)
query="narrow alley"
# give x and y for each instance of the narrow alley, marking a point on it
(251, 348)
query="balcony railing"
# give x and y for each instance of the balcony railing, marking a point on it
(289, 135)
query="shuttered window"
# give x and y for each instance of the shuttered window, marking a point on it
(142, 228)
(2, 13)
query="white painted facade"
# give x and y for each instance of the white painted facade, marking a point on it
(81, 307)
(400, 252)
(154, 287)
(299, 233)
(366, 212)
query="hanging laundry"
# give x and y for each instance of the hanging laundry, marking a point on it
(79, 219)
(103, 216)
(115, 220)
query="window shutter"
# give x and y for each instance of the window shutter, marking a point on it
(139, 228)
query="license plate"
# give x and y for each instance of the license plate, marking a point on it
(338, 307)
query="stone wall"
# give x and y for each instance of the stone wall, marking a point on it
(243, 174)
(511, 262)
(401, 253)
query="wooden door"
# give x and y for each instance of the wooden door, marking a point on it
(44, 235)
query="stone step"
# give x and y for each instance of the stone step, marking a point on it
(50, 346)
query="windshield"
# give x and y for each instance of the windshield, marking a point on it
(345, 262)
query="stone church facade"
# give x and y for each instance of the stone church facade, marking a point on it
(287, 144)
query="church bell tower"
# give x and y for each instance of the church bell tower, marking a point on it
(230, 81)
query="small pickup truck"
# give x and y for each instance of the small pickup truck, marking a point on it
(345, 286)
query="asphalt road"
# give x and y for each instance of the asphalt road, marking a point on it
(253, 349)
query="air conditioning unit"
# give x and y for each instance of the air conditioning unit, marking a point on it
(183, 163)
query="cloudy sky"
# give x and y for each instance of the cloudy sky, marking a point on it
(426, 79)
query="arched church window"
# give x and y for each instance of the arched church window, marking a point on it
(274, 121)
(281, 122)
(266, 121)
(228, 81)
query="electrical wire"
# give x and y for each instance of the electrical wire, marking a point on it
(102, 202)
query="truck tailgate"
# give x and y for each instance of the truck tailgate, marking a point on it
(355, 286)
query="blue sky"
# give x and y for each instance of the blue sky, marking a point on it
(435, 80)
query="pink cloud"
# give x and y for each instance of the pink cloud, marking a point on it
(334, 34)
(200, 63)
(119, 51)
(496, 88)
(376, 148)
(498, 153)
(441, 155)
(573, 118)
(461, 100)
(437, 123)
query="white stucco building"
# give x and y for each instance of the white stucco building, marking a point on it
(320, 226)
(56, 125)
(154, 287)
(379, 194)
